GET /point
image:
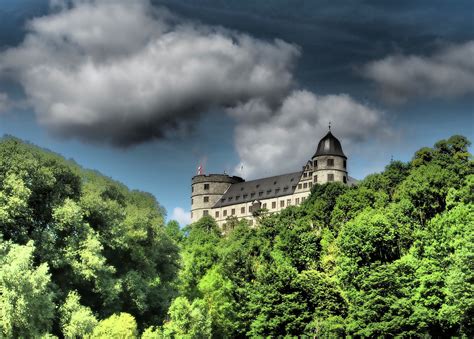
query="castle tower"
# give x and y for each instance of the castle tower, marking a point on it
(206, 190)
(329, 161)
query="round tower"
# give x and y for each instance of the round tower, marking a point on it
(206, 190)
(329, 161)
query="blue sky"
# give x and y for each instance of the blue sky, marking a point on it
(392, 78)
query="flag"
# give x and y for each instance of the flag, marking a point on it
(199, 172)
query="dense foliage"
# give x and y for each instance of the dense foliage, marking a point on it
(82, 256)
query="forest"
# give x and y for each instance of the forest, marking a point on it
(83, 256)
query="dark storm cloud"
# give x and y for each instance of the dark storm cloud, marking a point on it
(339, 36)
(124, 72)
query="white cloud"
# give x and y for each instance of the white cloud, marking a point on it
(181, 216)
(446, 74)
(123, 72)
(278, 140)
(4, 102)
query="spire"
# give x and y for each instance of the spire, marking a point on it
(329, 126)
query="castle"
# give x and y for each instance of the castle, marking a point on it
(222, 196)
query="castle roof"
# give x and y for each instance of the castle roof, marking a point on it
(265, 188)
(329, 145)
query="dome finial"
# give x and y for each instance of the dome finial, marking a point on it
(329, 126)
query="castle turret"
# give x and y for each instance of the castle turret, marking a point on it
(206, 190)
(329, 161)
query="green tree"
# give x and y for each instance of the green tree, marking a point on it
(26, 298)
(122, 325)
(188, 320)
(77, 321)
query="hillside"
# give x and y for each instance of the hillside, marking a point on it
(82, 255)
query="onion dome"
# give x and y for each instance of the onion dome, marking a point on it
(329, 145)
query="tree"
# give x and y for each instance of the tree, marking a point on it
(122, 325)
(26, 298)
(77, 321)
(188, 320)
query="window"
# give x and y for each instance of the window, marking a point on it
(282, 203)
(305, 185)
(277, 191)
(310, 174)
(293, 187)
(330, 177)
(237, 197)
(269, 191)
(305, 175)
(264, 206)
(206, 186)
(274, 204)
(206, 199)
(330, 162)
(310, 184)
(300, 186)
(285, 189)
(217, 214)
(297, 201)
(274, 183)
(192, 201)
(192, 188)
(245, 196)
(315, 178)
(223, 200)
(233, 211)
(288, 202)
(345, 163)
(315, 163)
(260, 193)
(205, 212)
(225, 213)
(344, 179)
(242, 210)
(242, 188)
(252, 195)
(303, 199)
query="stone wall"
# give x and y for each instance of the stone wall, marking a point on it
(320, 174)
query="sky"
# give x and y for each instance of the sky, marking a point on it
(145, 91)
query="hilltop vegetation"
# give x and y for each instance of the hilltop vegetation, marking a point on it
(82, 255)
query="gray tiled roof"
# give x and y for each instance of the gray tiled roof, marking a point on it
(259, 189)
(352, 181)
(329, 145)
